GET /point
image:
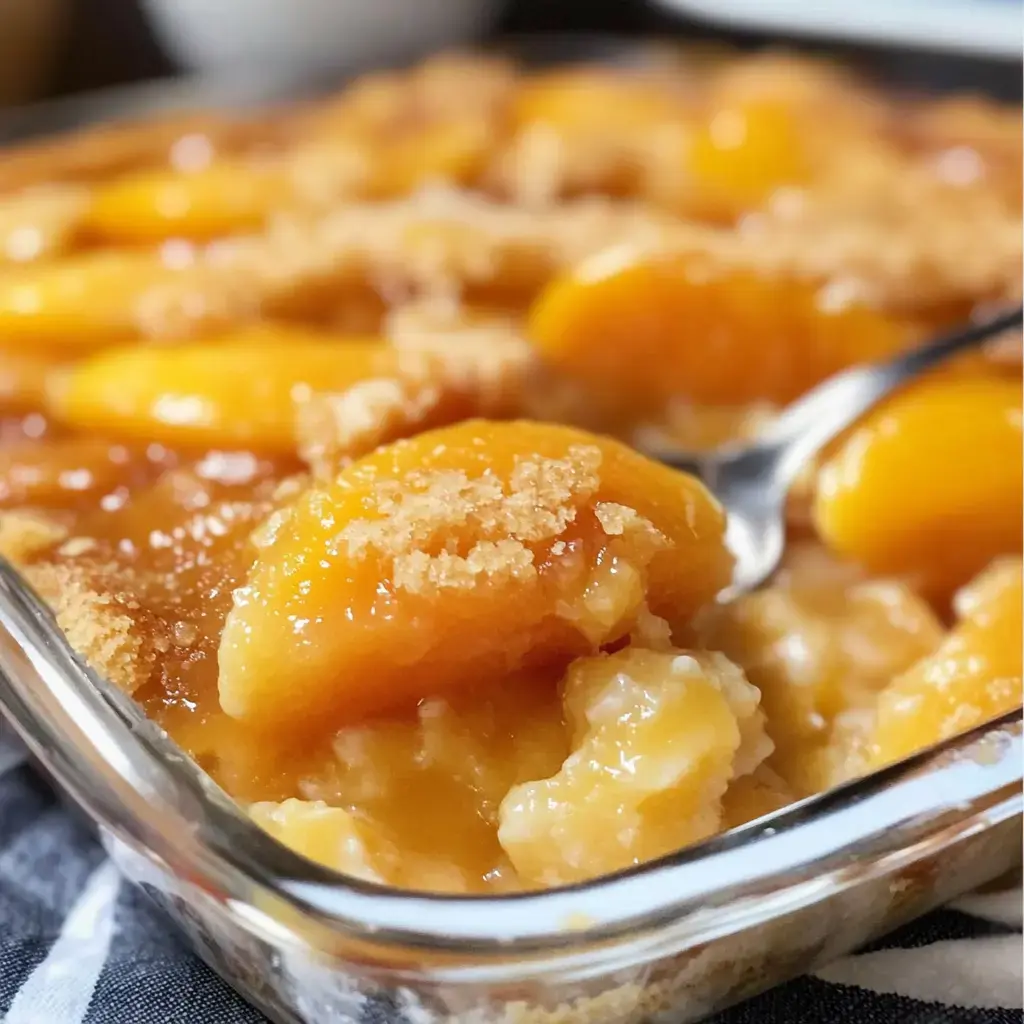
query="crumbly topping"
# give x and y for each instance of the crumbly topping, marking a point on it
(429, 320)
(913, 247)
(436, 382)
(448, 367)
(540, 165)
(543, 493)
(899, 235)
(327, 171)
(105, 629)
(618, 519)
(497, 561)
(911, 251)
(539, 502)
(332, 428)
(264, 535)
(411, 513)
(420, 521)
(202, 297)
(289, 487)
(441, 241)
(896, 236)
(482, 354)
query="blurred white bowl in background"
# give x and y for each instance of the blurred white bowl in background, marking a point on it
(990, 28)
(300, 36)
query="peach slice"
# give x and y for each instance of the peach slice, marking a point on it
(106, 297)
(974, 675)
(929, 486)
(593, 100)
(742, 154)
(225, 197)
(654, 329)
(456, 558)
(244, 391)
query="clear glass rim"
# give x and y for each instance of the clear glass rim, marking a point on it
(126, 773)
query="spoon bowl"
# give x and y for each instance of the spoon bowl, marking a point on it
(752, 480)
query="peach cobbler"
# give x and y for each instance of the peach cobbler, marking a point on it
(323, 432)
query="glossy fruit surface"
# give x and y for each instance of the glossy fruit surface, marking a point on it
(457, 557)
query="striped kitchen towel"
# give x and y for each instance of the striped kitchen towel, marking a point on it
(78, 946)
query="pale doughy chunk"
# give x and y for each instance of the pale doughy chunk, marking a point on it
(820, 643)
(325, 834)
(657, 738)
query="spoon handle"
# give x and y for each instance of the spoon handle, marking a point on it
(825, 411)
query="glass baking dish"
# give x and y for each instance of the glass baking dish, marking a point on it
(675, 939)
(672, 940)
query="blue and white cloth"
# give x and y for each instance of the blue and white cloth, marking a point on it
(79, 946)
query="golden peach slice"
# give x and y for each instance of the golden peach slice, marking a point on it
(253, 391)
(742, 154)
(929, 486)
(223, 198)
(653, 329)
(974, 675)
(456, 558)
(106, 297)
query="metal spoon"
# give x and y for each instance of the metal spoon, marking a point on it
(752, 480)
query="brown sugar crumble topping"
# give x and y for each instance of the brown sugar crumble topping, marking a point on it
(315, 435)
